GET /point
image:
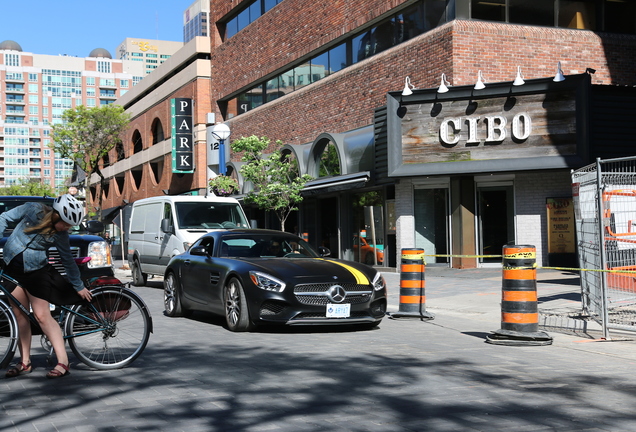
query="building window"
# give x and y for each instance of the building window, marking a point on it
(90, 81)
(12, 59)
(123, 83)
(33, 77)
(103, 66)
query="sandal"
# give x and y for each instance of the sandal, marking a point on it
(19, 369)
(54, 373)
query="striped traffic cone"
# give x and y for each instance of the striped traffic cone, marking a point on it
(412, 286)
(519, 307)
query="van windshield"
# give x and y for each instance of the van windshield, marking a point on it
(203, 215)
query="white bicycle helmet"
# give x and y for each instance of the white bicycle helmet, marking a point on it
(70, 209)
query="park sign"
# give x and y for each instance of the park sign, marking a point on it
(182, 136)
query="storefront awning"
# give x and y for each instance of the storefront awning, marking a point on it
(336, 183)
(109, 214)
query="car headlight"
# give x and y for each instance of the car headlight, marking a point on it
(378, 282)
(99, 252)
(186, 246)
(267, 282)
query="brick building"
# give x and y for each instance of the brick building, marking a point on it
(327, 79)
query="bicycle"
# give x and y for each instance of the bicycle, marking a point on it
(110, 332)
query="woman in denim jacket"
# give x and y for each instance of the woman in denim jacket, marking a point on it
(25, 254)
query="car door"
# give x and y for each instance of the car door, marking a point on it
(201, 278)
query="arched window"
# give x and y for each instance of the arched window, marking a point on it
(156, 167)
(329, 161)
(120, 180)
(120, 154)
(157, 132)
(137, 174)
(137, 142)
(106, 189)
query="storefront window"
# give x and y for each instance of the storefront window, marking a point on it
(368, 228)
(577, 14)
(431, 222)
(536, 12)
(492, 10)
(329, 161)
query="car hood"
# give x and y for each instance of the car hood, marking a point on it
(315, 270)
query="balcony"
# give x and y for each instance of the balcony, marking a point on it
(15, 101)
(14, 90)
(15, 112)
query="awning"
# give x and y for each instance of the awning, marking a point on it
(336, 183)
(109, 214)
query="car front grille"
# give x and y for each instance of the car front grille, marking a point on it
(54, 258)
(316, 294)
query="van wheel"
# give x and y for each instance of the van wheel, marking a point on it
(138, 278)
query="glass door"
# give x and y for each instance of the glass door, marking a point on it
(432, 222)
(495, 219)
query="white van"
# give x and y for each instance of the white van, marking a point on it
(165, 226)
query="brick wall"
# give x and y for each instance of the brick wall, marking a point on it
(531, 191)
(459, 49)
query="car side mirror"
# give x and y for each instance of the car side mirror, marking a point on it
(323, 251)
(198, 250)
(166, 226)
(94, 226)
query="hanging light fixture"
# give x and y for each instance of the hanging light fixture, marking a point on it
(443, 88)
(519, 78)
(559, 74)
(480, 82)
(408, 87)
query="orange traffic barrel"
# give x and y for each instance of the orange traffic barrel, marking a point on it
(412, 286)
(519, 301)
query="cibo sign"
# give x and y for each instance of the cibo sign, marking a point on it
(524, 126)
(182, 138)
(495, 127)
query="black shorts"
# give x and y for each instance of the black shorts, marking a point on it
(46, 283)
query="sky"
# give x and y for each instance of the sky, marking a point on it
(76, 27)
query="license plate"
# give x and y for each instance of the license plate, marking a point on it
(338, 310)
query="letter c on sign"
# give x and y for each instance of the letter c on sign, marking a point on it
(443, 131)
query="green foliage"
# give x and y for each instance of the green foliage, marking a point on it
(222, 185)
(28, 187)
(86, 135)
(276, 179)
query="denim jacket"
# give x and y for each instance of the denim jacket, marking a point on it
(34, 245)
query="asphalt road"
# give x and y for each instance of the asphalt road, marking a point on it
(408, 375)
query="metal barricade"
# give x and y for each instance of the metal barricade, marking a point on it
(605, 210)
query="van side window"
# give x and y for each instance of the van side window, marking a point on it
(167, 212)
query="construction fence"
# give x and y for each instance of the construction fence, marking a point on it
(604, 195)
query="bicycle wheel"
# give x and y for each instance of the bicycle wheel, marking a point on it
(8, 335)
(113, 333)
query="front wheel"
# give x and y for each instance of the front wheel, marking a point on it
(111, 331)
(172, 296)
(8, 335)
(138, 278)
(236, 313)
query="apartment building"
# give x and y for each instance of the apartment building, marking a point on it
(35, 89)
(149, 52)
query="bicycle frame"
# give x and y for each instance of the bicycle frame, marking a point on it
(103, 323)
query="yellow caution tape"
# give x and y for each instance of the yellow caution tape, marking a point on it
(465, 256)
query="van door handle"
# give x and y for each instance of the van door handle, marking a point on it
(186, 263)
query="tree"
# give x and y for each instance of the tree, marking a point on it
(28, 187)
(276, 179)
(86, 135)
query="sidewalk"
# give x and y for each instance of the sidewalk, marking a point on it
(476, 293)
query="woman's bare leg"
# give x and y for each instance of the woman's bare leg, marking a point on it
(24, 325)
(51, 328)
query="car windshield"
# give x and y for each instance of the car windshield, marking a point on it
(265, 246)
(205, 215)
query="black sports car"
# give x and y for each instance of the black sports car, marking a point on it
(270, 277)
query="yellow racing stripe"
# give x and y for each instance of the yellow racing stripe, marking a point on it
(360, 277)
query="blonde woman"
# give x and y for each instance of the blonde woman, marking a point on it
(25, 256)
